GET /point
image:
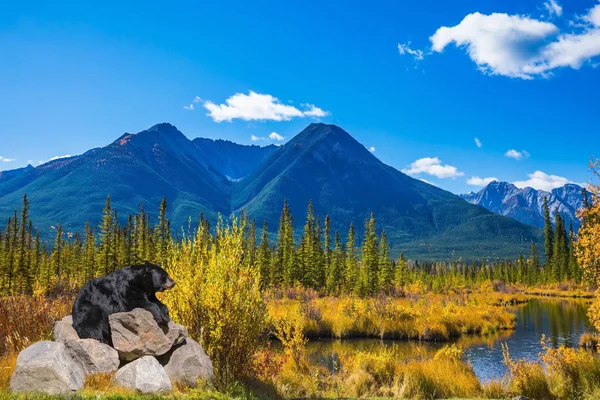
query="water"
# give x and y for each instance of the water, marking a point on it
(561, 321)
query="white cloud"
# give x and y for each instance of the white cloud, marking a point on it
(478, 143)
(276, 136)
(258, 107)
(477, 181)
(405, 49)
(7, 160)
(593, 16)
(314, 111)
(553, 8)
(196, 99)
(519, 46)
(432, 166)
(372, 149)
(517, 155)
(540, 180)
(257, 138)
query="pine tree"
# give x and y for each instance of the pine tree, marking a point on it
(106, 249)
(401, 273)
(264, 256)
(369, 260)
(386, 274)
(335, 274)
(352, 275)
(163, 236)
(24, 283)
(549, 235)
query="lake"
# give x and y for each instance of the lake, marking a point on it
(563, 321)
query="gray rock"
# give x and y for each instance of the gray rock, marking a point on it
(93, 356)
(188, 363)
(176, 333)
(46, 367)
(521, 397)
(145, 375)
(64, 331)
(136, 334)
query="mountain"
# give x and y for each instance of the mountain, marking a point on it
(323, 164)
(526, 205)
(344, 180)
(232, 160)
(134, 169)
(6, 175)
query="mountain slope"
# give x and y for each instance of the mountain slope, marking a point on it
(323, 164)
(343, 179)
(526, 205)
(235, 161)
(143, 167)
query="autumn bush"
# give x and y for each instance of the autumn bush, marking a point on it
(218, 298)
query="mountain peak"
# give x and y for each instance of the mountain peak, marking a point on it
(164, 127)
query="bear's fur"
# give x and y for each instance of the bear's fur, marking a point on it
(121, 291)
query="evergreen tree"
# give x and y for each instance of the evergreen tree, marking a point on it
(369, 260)
(352, 275)
(386, 274)
(548, 243)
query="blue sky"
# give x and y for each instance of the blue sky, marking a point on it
(517, 75)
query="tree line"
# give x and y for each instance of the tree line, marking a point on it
(320, 259)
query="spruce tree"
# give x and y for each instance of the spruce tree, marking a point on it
(386, 274)
(549, 235)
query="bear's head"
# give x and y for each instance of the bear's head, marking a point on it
(158, 278)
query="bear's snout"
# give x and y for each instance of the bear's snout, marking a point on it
(169, 284)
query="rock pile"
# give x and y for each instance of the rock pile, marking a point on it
(145, 357)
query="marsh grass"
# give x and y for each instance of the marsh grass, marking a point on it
(430, 318)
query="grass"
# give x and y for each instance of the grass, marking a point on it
(384, 372)
(427, 317)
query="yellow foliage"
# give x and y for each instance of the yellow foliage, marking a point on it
(217, 297)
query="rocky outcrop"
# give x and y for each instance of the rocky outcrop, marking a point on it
(136, 334)
(145, 375)
(60, 367)
(46, 367)
(64, 331)
(93, 356)
(187, 364)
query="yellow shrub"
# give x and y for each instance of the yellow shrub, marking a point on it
(218, 299)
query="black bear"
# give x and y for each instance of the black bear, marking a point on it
(123, 290)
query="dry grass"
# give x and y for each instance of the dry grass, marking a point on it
(26, 320)
(431, 317)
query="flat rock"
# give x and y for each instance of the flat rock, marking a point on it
(145, 375)
(64, 331)
(136, 334)
(188, 363)
(47, 368)
(93, 356)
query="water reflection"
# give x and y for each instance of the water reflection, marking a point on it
(562, 321)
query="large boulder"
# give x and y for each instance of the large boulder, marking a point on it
(93, 356)
(145, 375)
(176, 333)
(46, 367)
(136, 334)
(64, 331)
(187, 364)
